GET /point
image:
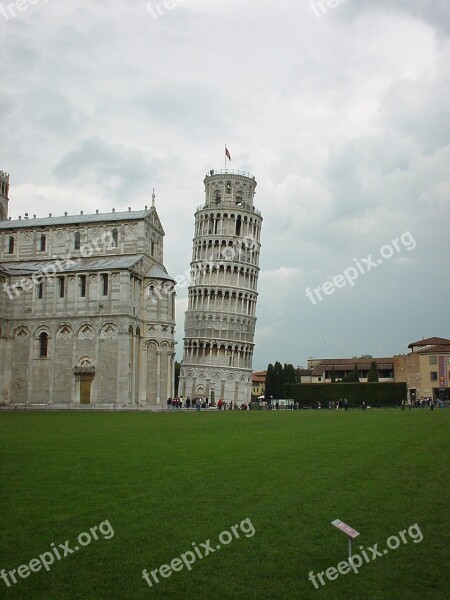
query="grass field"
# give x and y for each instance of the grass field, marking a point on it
(164, 481)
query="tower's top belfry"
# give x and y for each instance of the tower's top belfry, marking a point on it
(230, 189)
(4, 195)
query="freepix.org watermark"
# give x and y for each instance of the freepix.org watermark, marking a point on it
(199, 551)
(356, 561)
(59, 265)
(361, 267)
(159, 9)
(241, 249)
(59, 552)
(11, 10)
(320, 6)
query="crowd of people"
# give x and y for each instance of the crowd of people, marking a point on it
(198, 404)
(426, 402)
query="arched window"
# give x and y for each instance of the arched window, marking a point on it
(82, 283)
(77, 241)
(42, 242)
(11, 245)
(40, 289)
(104, 279)
(115, 238)
(43, 345)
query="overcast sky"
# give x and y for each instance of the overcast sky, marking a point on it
(341, 113)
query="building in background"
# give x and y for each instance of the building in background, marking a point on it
(87, 309)
(321, 369)
(258, 384)
(426, 369)
(221, 316)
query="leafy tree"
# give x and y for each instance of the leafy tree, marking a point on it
(279, 386)
(177, 376)
(288, 374)
(333, 375)
(372, 376)
(270, 382)
(276, 378)
(353, 376)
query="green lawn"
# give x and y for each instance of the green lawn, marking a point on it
(164, 481)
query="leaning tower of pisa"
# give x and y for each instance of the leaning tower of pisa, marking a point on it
(221, 316)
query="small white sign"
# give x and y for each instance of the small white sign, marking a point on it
(345, 528)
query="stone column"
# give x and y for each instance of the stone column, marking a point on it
(143, 376)
(169, 375)
(158, 377)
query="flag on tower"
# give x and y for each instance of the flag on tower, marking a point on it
(227, 153)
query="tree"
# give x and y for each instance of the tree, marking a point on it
(353, 376)
(289, 374)
(270, 382)
(372, 376)
(279, 386)
(333, 375)
(177, 376)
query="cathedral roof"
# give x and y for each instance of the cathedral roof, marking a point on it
(70, 265)
(67, 265)
(128, 215)
(156, 272)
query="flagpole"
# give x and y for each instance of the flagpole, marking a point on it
(225, 172)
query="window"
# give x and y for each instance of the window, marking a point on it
(42, 242)
(153, 248)
(238, 225)
(228, 187)
(43, 345)
(217, 197)
(105, 282)
(11, 245)
(61, 286)
(433, 375)
(40, 289)
(432, 360)
(82, 284)
(77, 241)
(115, 238)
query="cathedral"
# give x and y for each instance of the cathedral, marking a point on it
(79, 322)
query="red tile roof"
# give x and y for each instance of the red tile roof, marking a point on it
(435, 349)
(433, 341)
(259, 376)
(348, 364)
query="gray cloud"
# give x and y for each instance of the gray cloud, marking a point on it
(344, 120)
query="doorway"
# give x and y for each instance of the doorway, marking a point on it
(85, 390)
